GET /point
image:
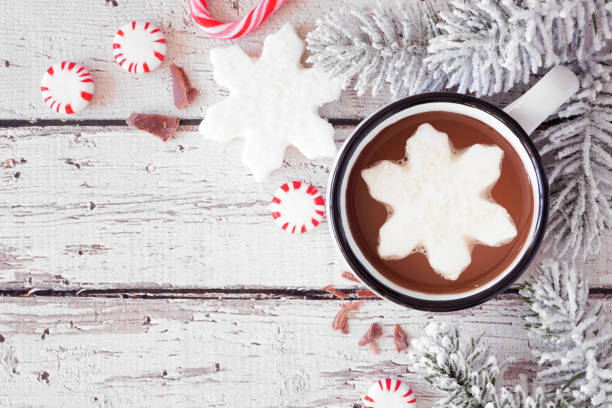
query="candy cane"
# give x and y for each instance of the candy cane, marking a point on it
(235, 29)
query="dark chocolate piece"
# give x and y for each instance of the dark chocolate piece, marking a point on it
(400, 338)
(374, 332)
(341, 320)
(183, 93)
(336, 292)
(158, 125)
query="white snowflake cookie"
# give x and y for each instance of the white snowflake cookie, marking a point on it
(439, 201)
(273, 103)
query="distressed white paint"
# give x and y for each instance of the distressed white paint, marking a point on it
(37, 33)
(270, 353)
(187, 222)
(196, 220)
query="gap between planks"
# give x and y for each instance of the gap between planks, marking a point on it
(238, 293)
(20, 123)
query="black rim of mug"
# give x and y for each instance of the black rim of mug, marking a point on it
(335, 210)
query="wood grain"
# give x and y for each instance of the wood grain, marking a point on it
(36, 34)
(172, 285)
(87, 352)
(85, 212)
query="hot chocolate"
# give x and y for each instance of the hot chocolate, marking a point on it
(366, 215)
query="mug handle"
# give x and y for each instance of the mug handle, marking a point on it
(544, 98)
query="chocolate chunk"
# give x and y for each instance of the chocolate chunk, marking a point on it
(158, 125)
(349, 276)
(400, 338)
(365, 293)
(374, 332)
(183, 93)
(341, 320)
(336, 292)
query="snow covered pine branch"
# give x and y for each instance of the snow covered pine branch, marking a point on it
(579, 172)
(573, 338)
(573, 346)
(483, 46)
(465, 371)
(387, 44)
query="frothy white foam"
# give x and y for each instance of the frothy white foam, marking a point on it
(439, 201)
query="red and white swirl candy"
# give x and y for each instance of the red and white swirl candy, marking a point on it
(139, 47)
(297, 207)
(389, 393)
(219, 29)
(67, 87)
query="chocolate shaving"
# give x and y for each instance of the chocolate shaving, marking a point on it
(374, 332)
(341, 320)
(365, 293)
(158, 125)
(349, 276)
(400, 338)
(183, 93)
(338, 293)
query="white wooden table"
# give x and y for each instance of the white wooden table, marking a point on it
(173, 287)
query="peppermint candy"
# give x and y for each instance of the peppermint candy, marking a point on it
(219, 29)
(139, 47)
(389, 393)
(297, 207)
(67, 87)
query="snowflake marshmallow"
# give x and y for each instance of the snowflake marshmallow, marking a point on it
(439, 200)
(272, 104)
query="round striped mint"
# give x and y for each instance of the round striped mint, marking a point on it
(389, 393)
(139, 47)
(297, 207)
(67, 87)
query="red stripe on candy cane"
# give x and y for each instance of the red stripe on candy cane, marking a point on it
(235, 29)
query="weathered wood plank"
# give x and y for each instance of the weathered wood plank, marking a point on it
(77, 352)
(35, 34)
(84, 211)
